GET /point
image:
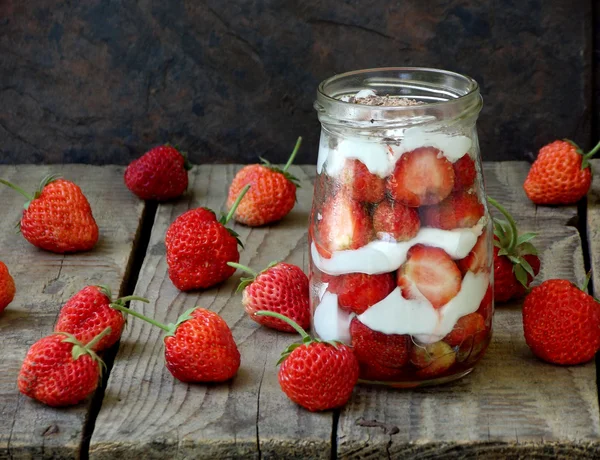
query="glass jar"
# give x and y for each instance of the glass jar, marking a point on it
(400, 237)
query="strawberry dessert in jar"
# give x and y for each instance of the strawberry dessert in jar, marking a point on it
(400, 236)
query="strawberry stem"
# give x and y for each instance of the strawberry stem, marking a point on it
(243, 268)
(132, 297)
(513, 225)
(592, 152)
(285, 319)
(90, 345)
(17, 188)
(121, 308)
(235, 205)
(293, 155)
(586, 281)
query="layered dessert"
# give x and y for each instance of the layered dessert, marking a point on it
(400, 250)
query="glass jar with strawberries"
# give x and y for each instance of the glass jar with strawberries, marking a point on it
(400, 236)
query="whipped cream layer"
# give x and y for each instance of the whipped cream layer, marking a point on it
(386, 256)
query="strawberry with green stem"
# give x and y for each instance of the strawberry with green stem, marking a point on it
(316, 375)
(199, 347)
(199, 247)
(282, 288)
(58, 217)
(59, 370)
(515, 258)
(273, 192)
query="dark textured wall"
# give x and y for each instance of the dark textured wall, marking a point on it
(101, 81)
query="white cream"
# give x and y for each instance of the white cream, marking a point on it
(364, 93)
(386, 256)
(452, 147)
(330, 321)
(377, 157)
(417, 317)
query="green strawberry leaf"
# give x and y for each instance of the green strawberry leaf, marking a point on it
(515, 259)
(243, 283)
(527, 267)
(236, 235)
(520, 274)
(527, 248)
(503, 252)
(525, 237)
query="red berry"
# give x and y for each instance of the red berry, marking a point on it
(360, 184)
(421, 177)
(478, 258)
(377, 348)
(429, 272)
(460, 210)
(469, 326)
(358, 291)
(464, 173)
(7, 287)
(392, 220)
(433, 359)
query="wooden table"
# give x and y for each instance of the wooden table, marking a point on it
(511, 406)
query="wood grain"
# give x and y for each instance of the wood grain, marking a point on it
(44, 282)
(593, 226)
(512, 405)
(147, 413)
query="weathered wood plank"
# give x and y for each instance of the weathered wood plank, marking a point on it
(44, 282)
(512, 405)
(593, 226)
(147, 413)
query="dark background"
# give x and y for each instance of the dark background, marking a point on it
(99, 81)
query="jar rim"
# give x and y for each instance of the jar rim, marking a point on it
(471, 88)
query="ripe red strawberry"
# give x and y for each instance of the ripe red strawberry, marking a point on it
(560, 175)
(89, 312)
(344, 224)
(392, 220)
(7, 287)
(421, 177)
(360, 184)
(515, 259)
(58, 217)
(272, 194)
(464, 173)
(199, 247)
(431, 273)
(160, 174)
(561, 322)
(433, 359)
(282, 288)
(469, 326)
(375, 372)
(478, 258)
(316, 375)
(375, 348)
(459, 210)
(199, 347)
(358, 291)
(486, 307)
(59, 370)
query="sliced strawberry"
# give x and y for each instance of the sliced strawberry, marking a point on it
(486, 307)
(479, 258)
(459, 210)
(360, 184)
(357, 291)
(464, 173)
(381, 373)
(472, 325)
(421, 177)
(431, 273)
(343, 224)
(392, 220)
(432, 359)
(372, 347)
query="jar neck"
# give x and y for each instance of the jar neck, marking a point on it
(446, 97)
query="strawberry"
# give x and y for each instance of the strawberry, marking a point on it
(199, 247)
(89, 312)
(199, 347)
(486, 307)
(7, 287)
(360, 184)
(515, 259)
(394, 221)
(376, 348)
(160, 174)
(282, 288)
(58, 217)
(561, 322)
(358, 291)
(344, 224)
(469, 326)
(431, 273)
(459, 210)
(272, 195)
(432, 359)
(464, 173)
(421, 177)
(59, 370)
(314, 374)
(478, 258)
(381, 373)
(560, 174)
